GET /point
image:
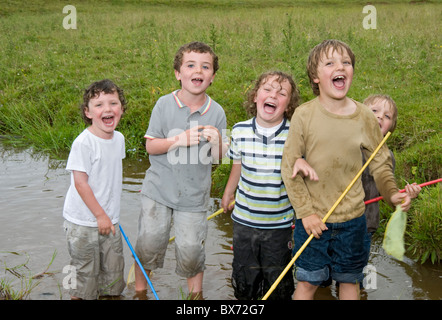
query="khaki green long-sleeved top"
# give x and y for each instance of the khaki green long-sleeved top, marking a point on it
(333, 145)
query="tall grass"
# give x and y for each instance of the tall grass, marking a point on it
(45, 68)
(425, 232)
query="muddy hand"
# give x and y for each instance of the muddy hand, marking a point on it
(302, 166)
(314, 225)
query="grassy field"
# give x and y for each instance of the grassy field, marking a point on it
(44, 68)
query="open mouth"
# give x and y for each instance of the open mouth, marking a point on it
(339, 82)
(109, 120)
(197, 81)
(269, 107)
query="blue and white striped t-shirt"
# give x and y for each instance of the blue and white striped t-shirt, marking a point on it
(261, 199)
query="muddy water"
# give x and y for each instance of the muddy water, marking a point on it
(32, 191)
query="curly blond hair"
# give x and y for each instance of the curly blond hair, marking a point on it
(250, 104)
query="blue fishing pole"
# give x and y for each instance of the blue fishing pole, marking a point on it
(139, 263)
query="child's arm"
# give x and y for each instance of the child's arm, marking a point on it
(219, 148)
(232, 183)
(302, 166)
(186, 138)
(313, 224)
(104, 223)
(403, 199)
(413, 190)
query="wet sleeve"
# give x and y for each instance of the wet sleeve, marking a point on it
(294, 148)
(381, 167)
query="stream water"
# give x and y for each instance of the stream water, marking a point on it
(32, 191)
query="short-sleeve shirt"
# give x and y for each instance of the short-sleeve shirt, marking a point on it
(101, 160)
(181, 178)
(261, 199)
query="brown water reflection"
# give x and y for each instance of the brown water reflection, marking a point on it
(32, 191)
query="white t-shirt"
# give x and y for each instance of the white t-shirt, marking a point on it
(101, 160)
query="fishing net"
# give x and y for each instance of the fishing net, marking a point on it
(394, 234)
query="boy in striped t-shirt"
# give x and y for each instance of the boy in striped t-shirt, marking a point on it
(262, 213)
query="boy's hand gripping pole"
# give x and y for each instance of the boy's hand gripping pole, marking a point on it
(275, 284)
(139, 263)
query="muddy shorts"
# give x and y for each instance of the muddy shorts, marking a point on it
(97, 261)
(154, 227)
(259, 257)
(340, 253)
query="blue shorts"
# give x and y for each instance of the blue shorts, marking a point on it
(341, 250)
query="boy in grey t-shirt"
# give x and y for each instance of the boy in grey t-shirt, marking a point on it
(183, 140)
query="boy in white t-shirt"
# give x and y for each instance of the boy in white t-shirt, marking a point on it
(92, 206)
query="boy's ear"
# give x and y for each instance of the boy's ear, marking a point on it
(177, 75)
(86, 112)
(316, 80)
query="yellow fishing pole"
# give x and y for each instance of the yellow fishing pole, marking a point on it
(275, 284)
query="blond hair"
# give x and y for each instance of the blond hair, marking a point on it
(317, 54)
(372, 99)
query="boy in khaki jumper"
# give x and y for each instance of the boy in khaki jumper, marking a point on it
(331, 131)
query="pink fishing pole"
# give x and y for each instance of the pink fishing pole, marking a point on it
(403, 190)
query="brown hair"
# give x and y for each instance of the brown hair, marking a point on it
(317, 54)
(94, 90)
(371, 99)
(195, 46)
(250, 104)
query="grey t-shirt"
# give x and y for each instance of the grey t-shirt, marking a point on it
(181, 178)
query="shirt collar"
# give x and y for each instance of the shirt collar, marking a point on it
(202, 110)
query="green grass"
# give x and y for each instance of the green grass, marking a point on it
(45, 68)
(28, 282)
(425, 231)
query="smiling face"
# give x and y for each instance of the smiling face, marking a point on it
(334, 74)
(272, 99)
(384, 113)
(105, 111)
(196, 72)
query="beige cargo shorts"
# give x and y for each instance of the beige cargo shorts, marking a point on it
(97, 260)
(154, 226)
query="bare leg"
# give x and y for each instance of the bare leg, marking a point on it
(349, 291)
(140, 279)
(195, 286)
(304, 291)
